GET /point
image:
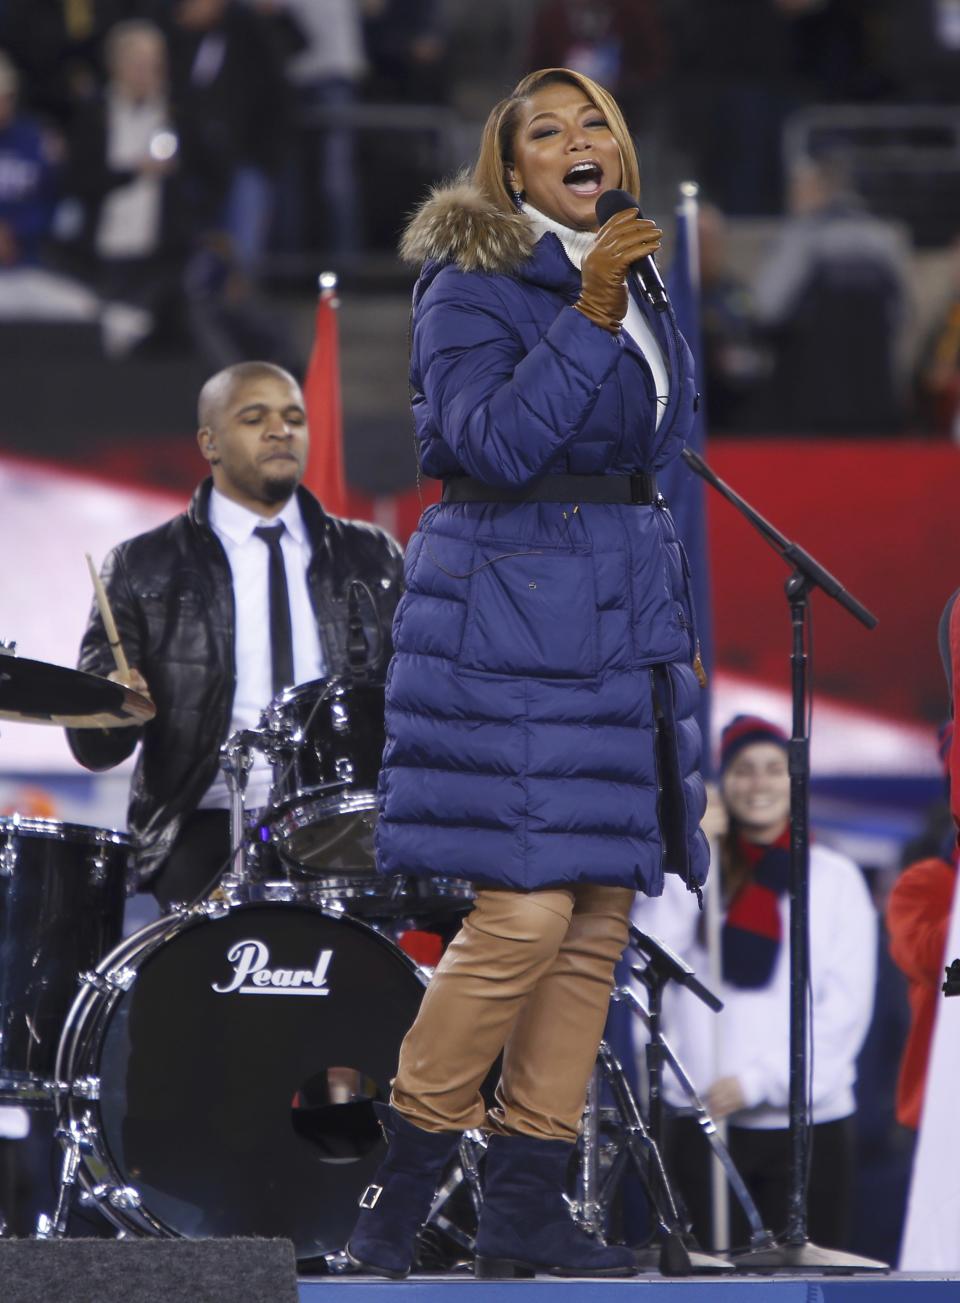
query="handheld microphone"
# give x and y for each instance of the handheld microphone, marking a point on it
(645, 269)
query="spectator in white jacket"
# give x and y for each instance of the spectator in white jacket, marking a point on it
(739, 1059)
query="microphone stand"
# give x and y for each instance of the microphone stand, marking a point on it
(661, 967)
(795, 1252)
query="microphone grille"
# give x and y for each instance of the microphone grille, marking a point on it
(615, 201)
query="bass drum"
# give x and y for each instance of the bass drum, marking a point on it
(236, 1059)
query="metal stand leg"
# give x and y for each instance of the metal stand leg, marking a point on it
(74, 1141)
(236, 759)
(759, 1235)
(471, 1144)
(465, 1174)
(589, 1210)
(679, 1254)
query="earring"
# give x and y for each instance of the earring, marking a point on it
(518, 200)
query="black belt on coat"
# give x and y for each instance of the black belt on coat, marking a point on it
(639, 490)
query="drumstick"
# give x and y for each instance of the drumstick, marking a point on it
(113, 638)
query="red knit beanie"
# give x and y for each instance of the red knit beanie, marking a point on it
(743, 731)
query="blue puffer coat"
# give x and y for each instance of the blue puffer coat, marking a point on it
(540, 701)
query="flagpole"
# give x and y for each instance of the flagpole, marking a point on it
(689, 209)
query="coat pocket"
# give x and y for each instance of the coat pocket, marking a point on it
(532, 613)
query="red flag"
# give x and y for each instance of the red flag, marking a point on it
(325, 474)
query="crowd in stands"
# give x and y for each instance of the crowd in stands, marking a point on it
(817, 341)
(161, 159)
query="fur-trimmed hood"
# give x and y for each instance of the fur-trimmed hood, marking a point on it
(457, 223)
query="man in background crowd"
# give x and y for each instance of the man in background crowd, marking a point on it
(226, 71)
(28, 193)
(832, 298)
(145, 181)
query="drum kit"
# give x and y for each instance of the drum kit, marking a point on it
(213, 1074)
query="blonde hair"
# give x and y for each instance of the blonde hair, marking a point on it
(496, 146)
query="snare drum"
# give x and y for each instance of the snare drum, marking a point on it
(327, 740)
(230, 1065)
(62, 892)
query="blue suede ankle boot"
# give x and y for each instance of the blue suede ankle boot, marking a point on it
(525, 1224)
(394, 1207)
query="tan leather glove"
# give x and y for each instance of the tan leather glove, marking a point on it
(622, 240)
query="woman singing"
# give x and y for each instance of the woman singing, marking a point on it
(540, 731)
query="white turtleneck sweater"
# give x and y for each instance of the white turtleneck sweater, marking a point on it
(576, 244)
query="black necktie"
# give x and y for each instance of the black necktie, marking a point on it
(281, 633)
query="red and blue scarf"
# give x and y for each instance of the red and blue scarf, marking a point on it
(753, 929)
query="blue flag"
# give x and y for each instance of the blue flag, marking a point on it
(685, 492)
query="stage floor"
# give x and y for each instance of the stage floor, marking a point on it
(893, 1288)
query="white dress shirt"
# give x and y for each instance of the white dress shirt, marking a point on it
(249, 564)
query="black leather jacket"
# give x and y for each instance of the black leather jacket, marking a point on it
(171, 592)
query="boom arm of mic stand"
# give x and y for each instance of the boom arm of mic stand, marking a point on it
(798, 557)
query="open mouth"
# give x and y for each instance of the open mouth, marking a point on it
(584, 178)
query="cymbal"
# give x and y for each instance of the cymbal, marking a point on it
(33, 692)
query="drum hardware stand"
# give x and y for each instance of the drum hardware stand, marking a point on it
(466, 1172)
(75, 1139)
(679, 1254)
(236, 759)
(662, 965)
(760, 1237)
(470, 1143)
(589, 1209)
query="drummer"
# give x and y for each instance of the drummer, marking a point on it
(220, 608)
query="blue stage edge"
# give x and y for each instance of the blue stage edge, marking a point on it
(894, 1288)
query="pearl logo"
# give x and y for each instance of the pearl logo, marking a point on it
(252, 975)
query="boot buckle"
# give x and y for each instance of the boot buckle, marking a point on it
(370, 1196)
